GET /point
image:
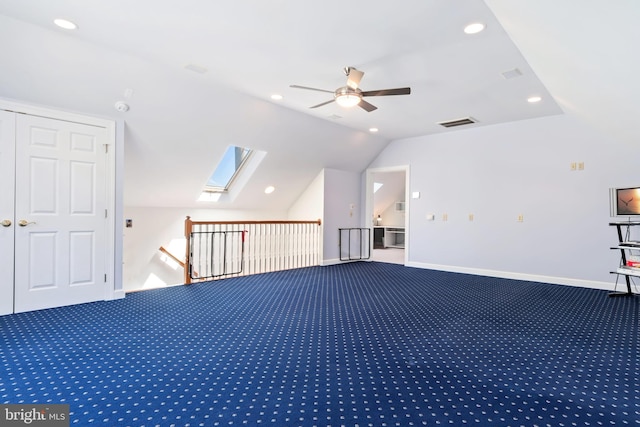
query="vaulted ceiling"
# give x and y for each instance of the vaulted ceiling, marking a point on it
(198, 76)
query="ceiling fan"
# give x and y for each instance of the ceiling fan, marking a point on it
(351, 95)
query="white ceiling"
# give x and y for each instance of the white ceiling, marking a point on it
(181, 121)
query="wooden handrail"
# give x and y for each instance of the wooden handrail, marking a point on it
(317, 221)
(172, 256)
(188, 229)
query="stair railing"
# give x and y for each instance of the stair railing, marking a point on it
(218, 249)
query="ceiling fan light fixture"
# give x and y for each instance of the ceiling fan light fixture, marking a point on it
(347, 97)
(348, 100)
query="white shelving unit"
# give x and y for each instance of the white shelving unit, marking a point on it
(627, 248)
(394, 237)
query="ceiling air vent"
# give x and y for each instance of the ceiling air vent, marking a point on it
(457, 122)
(196, 68)
(511, 74)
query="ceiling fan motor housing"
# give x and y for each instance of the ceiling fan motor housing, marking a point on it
(347, 91)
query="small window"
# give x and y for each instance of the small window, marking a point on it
(227, 170)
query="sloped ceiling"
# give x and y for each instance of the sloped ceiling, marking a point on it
(180, 121)
(391, 191)
(585, 52)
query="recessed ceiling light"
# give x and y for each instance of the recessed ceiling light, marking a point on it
(534, 99)
(276, 97)
(474, 28)
(270, 189)
(373, 130)
(63, 23)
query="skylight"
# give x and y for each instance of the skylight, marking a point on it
(228, 168)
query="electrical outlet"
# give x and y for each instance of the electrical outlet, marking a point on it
(520, 218)
(581, 166)
(431, 217)
(445, 217)
(470, 217)
(573, 166)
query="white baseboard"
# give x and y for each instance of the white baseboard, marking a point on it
(519, 276)
(118, 294)
(335, 261)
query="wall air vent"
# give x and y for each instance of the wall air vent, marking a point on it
(458, 122)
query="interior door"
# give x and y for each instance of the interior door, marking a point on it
(7, 227)
(60, 210)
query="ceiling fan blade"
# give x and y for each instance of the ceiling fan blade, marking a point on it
(386, 92)
(324, 103)
(310, 88)
(354, 77)
(366, 106)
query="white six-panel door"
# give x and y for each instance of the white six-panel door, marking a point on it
(60, 206)
(7, 174)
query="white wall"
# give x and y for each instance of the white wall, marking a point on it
(500, 172)
(144, 265)
(341, 193)
(391, 217)
(310, 204)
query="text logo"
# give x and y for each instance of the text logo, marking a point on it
(38, 415)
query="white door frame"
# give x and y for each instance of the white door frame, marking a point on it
(368, 220)
(115, 167)
(7, 210)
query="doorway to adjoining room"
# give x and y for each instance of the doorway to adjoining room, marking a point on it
(386, 200)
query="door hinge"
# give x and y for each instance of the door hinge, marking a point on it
(105, 277)
(105, 213)
(106, 148)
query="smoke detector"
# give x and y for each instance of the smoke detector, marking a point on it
(122, 107)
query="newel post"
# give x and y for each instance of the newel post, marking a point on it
(188, 227)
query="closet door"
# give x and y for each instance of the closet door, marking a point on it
(7, 227)
(60, 210)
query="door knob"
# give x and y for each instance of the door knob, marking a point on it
(24, 222)
(6, 223)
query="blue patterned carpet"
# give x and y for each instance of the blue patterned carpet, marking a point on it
(362, 344)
